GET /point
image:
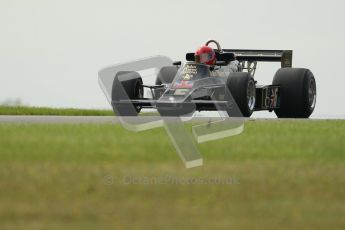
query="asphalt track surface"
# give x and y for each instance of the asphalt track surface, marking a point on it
(95, 119)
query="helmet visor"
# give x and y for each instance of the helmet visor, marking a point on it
(203, 58)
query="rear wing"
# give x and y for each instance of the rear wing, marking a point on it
(282, 56)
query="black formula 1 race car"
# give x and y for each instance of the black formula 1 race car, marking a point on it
(228, 85)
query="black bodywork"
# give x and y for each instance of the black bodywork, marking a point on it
(197, 87)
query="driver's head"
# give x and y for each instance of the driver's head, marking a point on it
(206, 55)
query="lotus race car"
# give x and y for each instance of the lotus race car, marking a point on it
(228, 85)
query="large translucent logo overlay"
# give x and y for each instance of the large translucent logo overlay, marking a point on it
(131, 87)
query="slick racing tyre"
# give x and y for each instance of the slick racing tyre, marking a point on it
(243, 91)
(166, 75)
(127, 85)
(297, 92)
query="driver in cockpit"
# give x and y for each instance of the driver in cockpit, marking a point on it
(205, 55)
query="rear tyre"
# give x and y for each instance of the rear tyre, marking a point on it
(243, 91)
(127, 85)
(297, 92)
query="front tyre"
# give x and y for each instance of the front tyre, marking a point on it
(166, 75)
(297, 92)
(127, 85)
(243, 90)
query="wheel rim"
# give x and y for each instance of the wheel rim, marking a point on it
(139, 94)
(312, 93)
(251, 95)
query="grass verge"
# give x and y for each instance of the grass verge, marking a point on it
(283, 174)
(25, 110)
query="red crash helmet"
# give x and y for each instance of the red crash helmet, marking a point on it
(206, 55)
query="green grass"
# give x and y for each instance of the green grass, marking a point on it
(26, 110)
(290, 175)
